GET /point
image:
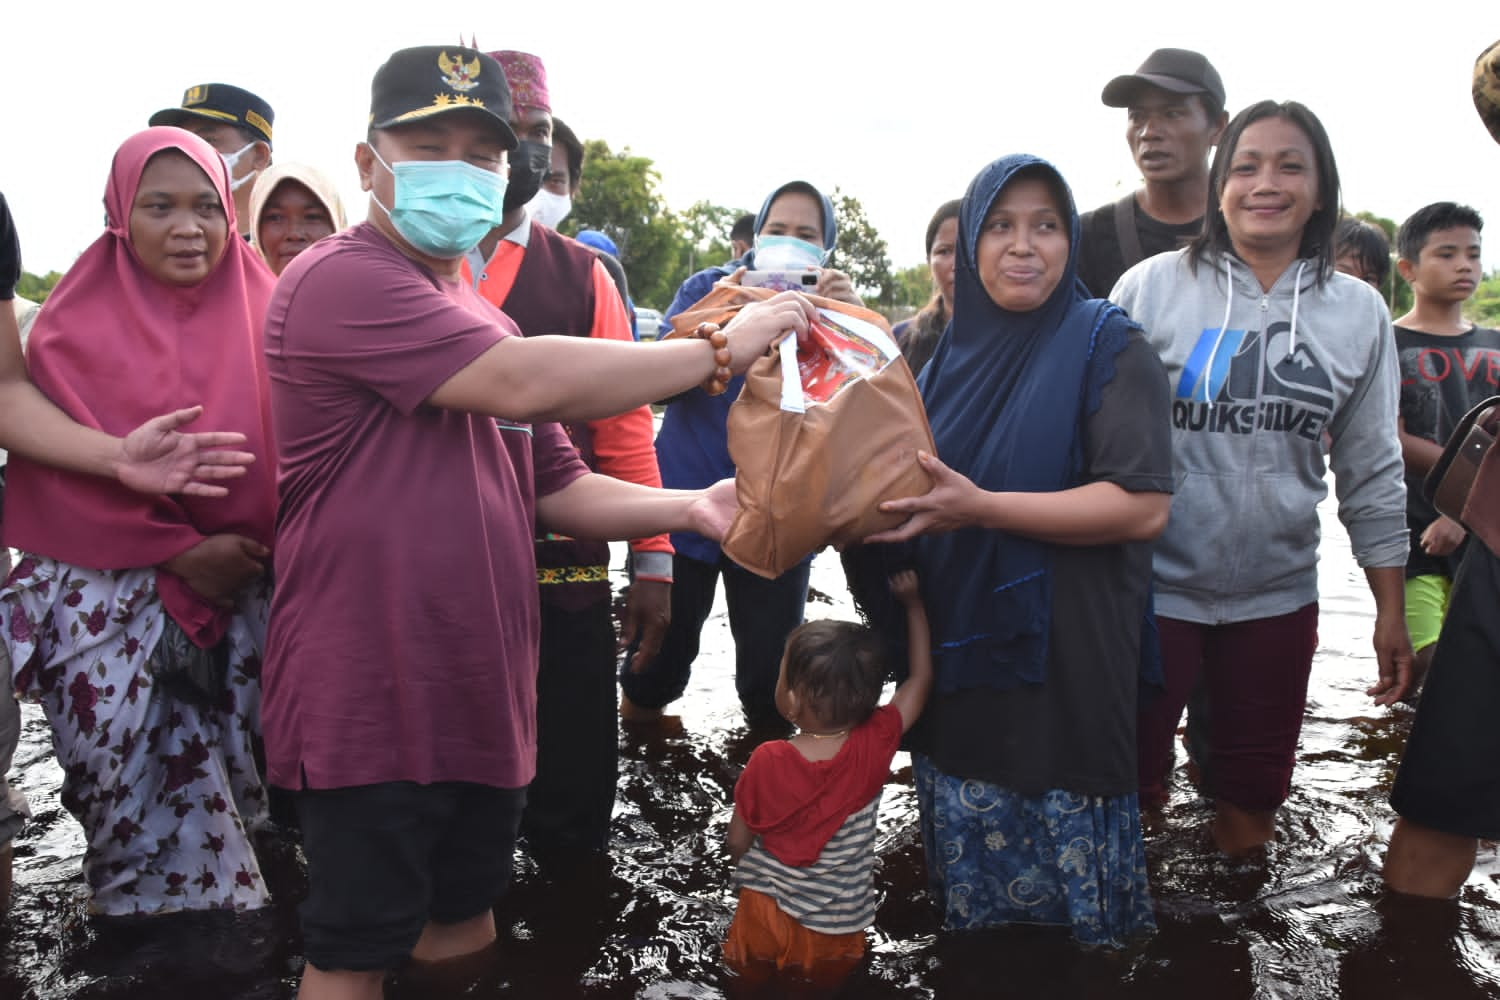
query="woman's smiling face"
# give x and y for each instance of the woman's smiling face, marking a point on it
(1270, 190)
(1022, 250)
(292, 220)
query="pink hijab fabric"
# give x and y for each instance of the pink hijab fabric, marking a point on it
(114, 347)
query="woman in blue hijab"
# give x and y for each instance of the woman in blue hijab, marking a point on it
(1050, 415)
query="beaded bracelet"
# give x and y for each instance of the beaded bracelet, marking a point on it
(719, 340)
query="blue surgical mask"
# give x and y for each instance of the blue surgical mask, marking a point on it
(787, 253)
(443, 208)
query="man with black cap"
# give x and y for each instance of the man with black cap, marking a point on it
(418, 459)
(548, 283)
(235, 122)
(1175, 115)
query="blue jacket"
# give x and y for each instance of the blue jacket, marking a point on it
(692, 447)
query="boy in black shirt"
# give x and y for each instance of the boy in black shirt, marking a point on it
(1447, 365)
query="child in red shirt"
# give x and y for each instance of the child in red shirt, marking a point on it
(803, 832)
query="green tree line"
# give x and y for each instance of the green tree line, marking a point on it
(660, 247)
(1484, 307)
(37, 287)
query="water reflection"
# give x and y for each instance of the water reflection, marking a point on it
(1311, 921)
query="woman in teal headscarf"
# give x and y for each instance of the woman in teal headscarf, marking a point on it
(1049, 412)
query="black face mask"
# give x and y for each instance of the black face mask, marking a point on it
(529, 163)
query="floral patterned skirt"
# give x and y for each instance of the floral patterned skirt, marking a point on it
(167, 791)
(995, 857)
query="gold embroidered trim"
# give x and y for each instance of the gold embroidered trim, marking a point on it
(571, 574)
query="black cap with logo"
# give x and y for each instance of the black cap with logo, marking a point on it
(219, 102)
(1180, 71)
(418, 83)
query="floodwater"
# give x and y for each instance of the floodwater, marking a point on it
(1309, 922)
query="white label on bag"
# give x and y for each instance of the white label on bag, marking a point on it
(791, 377)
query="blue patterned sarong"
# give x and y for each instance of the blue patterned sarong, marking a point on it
(995, 857)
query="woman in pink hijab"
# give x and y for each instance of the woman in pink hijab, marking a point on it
(163, 310)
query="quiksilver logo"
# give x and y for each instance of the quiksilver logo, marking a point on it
(1229, 385)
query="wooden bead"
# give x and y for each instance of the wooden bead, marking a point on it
(718, 382)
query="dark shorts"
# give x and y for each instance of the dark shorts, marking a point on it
(383, 860)
(1252, 676)
(1449, 778)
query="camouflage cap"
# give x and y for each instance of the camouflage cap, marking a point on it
(1487, 88)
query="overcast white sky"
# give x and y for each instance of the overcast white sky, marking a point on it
(899, 104)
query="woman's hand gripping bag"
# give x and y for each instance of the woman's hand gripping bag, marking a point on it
(822, 433)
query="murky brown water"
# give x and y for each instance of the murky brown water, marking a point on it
(1310, 923)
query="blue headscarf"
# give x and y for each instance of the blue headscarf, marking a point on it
(1007, 394)
(830, 220)
(596, 240)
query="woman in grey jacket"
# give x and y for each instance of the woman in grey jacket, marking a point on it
(1266, 349)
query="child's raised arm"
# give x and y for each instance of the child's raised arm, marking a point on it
(911, 696)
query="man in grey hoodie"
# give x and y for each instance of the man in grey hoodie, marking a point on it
(1266, 348)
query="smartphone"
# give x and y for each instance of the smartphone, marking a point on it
(781, 281)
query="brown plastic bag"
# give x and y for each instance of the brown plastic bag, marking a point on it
(815, 478)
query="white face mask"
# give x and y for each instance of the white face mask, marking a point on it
(549, 209)
(232, 160)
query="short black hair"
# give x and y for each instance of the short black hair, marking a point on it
(1211, 106)
(568, 140)
(1412, 236)
(744, 228)
(837, 669)
(1317, 235)
(1368, 243)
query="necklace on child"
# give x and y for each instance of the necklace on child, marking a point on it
(826, 736)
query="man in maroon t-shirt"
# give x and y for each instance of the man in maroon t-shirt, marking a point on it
(419, 453)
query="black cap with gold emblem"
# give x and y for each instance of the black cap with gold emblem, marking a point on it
(219, 102)
(433, 79)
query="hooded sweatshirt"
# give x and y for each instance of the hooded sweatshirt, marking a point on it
(1257, 378)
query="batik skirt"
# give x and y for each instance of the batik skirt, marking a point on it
(995, 857)
(167, 790)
